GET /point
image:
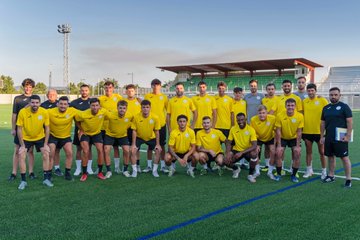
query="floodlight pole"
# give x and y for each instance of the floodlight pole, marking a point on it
(66, 29)
(132, 77)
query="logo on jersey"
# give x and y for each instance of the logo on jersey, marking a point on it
(40, 117)
(184, 101)
(213, 136)
(293, 120)
(338, 108)
(161, 97)
(225, 100)
(67, 116)
(267, 123)
(137, 103)
(317, 103)
(207, 100)
(258, 97)
(114, 99)
(151, 121)
(126, 120)
(187, 135)
(101, 116)
(247, 132)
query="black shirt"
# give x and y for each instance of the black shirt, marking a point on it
(80, 104)
(47, 104)
(335, 115)
(20, 102)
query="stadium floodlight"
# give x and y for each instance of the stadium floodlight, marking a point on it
(132, 77)
(65, 29)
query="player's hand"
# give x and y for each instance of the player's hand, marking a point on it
(228, 159)
(345, 138)
(322, 140)
(182, 162)
(13, 132)
(212, 153)
(80, 133)
(22, 149)
(133, 147)
(47, 148)
(238, 155)
(158, 148)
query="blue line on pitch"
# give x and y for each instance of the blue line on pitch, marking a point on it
(226, 209)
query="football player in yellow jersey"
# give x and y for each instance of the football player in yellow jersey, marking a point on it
(264, 125)
(241, 143)
(182, 147)
(146, 128)
(61, 119)
(239, 104)
(89, 123)
(33, 130)
(289, 126)
(116, 134)
(313, 106)
(109, 102)
(208, 145)
(159, 102)
(225, 113)
(270, 101)
(287, 87)
(178, 105)
(205, 106)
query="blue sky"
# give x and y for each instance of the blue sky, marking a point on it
(114, 38)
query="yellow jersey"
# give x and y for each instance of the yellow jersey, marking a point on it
(91, 124)
(182, 141)
(282, 99)
(110, 104)
(243, 137)
(145, 127)
(238, 107)
(118, 126)
(271, 103)
(205, 106)
(178, 106)
(134, 106)
(61, 123)
(211, 140)
(33, 123)
(264, 129)
(289, 125)
(159, 104)
(312, 114)
(224, 110)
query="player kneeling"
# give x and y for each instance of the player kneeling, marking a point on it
(182, 147)
(208, 142)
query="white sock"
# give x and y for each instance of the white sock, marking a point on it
(191, 168)
(271, 169)
(309, 168)
(173, 165)
(162, 163)
(78, 164)
(257, 168)
(283, 164)
(89, 165)
(57, 167)
(267, 160)
(134, 167)
(188, 165)
(155, 168)
(242, 161)
(117, 162)
(204, 166)
(149, 162)
(324, 170)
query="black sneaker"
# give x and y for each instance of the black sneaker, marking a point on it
(12, 178)
(347, 184)
(58, 172)
(32, 176)
(328, 179)
(68, 177)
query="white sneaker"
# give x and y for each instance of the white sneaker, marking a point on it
(164, 170)
(216, 167)
(108, 174)
(138, 168)
(323, 175)
(22, 185)
(255, 175)
(77, 172)
(48, 183)
(271, 176)
(308, 174)
(134, 174)
(147, 169)
(236, 173)
(251, 178)
(126, 174)
(191, 173)
(155, 173)
(171, 172)
(91, 172)
(118, 170)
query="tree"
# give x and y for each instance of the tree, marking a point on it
(8, 85)
(99, 87)
(40, 88)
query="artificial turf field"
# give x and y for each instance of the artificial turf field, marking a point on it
(207, 207)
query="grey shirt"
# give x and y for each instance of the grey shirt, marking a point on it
(301, 95)
(252, 104)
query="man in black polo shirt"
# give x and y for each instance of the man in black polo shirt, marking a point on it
(52, 99)
(334, 116)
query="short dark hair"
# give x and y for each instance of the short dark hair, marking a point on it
(334, 89)
(84, 85)
(237, 89)
(253, 81)
(145, 102)
(221, 84)
(301, 78)
(94, 100)
(270, 84)
(155, 82)
(206, 117)
(64, 98)
(311, 85)
(202, 83)
(122, 103)
(35, 97)
(179, 83)
(240, 114)
(130, 86)
(181, 116)
(287, 81)
(290, 100)
(108, 82)
(28, 81)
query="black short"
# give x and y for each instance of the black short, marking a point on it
(76, 140)
(182, 155)
(16, 139)
(224, 131)
(38, 144)
(246, 156)
(336, 148)
(211, 158)
(288, 143)
(311, 137)
(151, 143)
(270, 142)
(162, 133)
(59, 142)
(129, 135)
(113, 141)
(97, 138)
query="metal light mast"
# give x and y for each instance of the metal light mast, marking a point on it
(66, 29)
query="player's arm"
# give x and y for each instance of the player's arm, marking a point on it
(172, 152)
(349, 123)
(13, 123)
(250, 149)
(214, 117)
(134, 135)
(157, 134)
(168, 116)
(21, 139)
(232, 118)
(195, 116)
(322, 132)
(47, 134)
(298, 137)
(278, 136)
